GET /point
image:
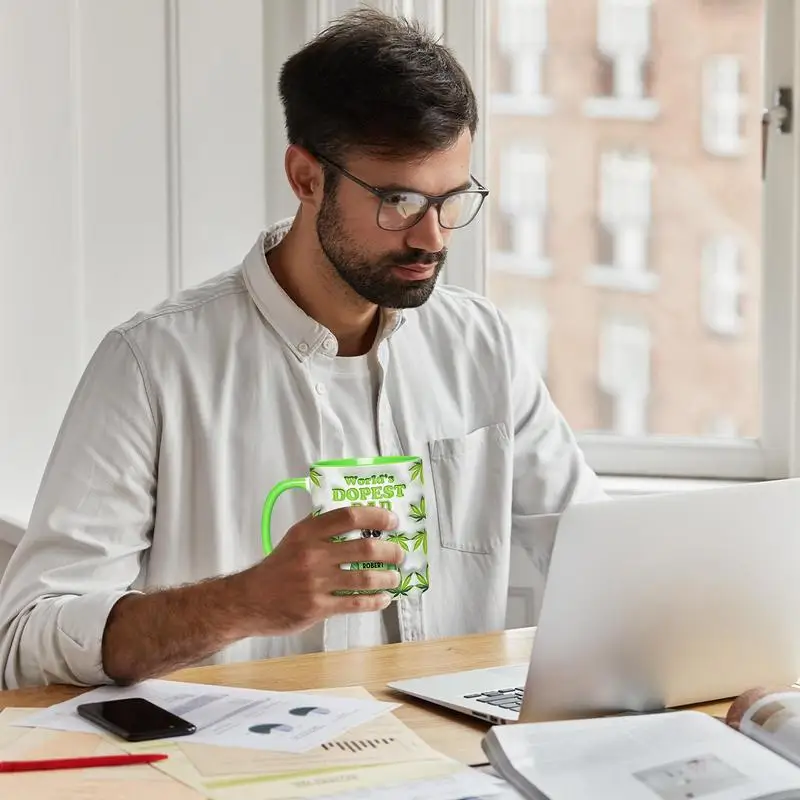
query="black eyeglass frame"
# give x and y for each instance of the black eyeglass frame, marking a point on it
(435, 200)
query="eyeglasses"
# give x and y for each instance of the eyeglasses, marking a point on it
(400, 209)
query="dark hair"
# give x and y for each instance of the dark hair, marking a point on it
(375, 83)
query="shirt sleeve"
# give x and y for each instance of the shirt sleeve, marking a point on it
(550, 472)
(91, 522)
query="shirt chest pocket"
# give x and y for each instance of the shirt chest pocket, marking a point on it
(472, 482)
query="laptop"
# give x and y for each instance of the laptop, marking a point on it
(650, 603)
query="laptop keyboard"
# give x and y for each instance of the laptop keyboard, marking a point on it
(502, 698)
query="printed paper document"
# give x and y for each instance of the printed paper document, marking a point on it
(121, 783)
(381, 753)
(291, 722)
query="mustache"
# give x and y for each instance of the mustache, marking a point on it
(415, 257)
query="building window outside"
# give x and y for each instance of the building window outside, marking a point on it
(624, 55)
(723, 286)
(523, 198)
(624, 376)
(623, 37)
(531, 329)
(624, 223)
(522, 38)
(723, 106)
(522, 35)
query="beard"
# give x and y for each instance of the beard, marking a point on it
(371, 277)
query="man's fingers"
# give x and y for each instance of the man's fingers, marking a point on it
(369, 550)
(742, 703)
(359, 603)
(367, 579)
(353, 518)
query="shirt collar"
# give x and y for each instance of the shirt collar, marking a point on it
(303, 334)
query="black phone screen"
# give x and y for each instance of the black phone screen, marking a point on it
(135, 719)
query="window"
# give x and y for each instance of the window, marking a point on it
(722, 286)
(624, 376)
(623, 36)
(626, 205)
(613, 81)
(723, 106)
(523, 40)
(624, 223)
(530, 327)
(521, 57)
(522, 197)
(623, 54)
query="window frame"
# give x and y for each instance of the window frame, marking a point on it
(777, 451)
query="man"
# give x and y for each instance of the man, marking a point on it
(329, 341)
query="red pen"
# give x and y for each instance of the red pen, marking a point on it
(80, 763)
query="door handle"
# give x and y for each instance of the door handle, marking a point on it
(780, 116)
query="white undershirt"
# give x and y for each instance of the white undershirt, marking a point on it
(353, 388)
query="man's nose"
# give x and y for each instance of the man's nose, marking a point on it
(427, 234)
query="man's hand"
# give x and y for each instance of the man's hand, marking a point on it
(294, 587)
(742, 703)
(150, 634)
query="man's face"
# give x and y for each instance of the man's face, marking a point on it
(394, 269)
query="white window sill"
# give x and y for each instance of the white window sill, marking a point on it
(640, 109)
(726, 150)
(519, 264)
(611, 277)
(522, 106)
(11, 531)
(725, 330)
(636, 485)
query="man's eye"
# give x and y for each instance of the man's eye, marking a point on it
(399, 199)
(405, 204)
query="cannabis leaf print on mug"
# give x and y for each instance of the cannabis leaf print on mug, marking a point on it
(396, 483)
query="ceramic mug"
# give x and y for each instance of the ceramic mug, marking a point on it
(395, 483)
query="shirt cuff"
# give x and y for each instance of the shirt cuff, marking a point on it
(80, 626)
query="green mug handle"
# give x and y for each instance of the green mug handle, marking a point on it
(266, 515)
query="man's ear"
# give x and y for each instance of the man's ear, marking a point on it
(305, 176)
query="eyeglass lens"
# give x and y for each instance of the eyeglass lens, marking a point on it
(404, 209)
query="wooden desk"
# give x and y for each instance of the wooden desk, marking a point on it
(454, 734)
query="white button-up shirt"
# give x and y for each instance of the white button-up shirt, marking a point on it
(187, 415)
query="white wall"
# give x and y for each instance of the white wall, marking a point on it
(132, 162)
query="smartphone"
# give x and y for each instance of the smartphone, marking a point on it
(135, 719)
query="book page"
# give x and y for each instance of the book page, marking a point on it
(774, 721)
(682, 755)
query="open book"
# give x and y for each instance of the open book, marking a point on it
(675, 755)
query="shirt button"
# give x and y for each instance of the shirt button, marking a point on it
(303, 347)
(320, 387)
(328, 344)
